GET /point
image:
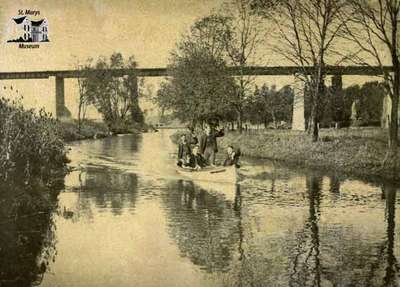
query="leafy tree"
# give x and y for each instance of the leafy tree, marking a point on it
(271, 105)
(114, 97)
(199, 86)
(278, 104)
(368, 102)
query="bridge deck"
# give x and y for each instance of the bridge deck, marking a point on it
(163, 72)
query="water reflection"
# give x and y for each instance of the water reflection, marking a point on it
(203, 225)
(305, 260)
(392, 269)
(27, 235)
(103, 188)
(124, 220)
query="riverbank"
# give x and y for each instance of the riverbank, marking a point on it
(89, 130)
(359, 152)
(354, 151)
(93, 130)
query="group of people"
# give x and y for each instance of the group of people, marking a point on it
(197, 152)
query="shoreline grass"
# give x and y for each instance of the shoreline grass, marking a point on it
(353, 151)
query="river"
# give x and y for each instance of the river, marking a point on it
(125, 218)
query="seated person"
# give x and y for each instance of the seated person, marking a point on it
(183, 150)
(196, 159)
(232, 157)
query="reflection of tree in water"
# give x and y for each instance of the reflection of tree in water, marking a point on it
(108, 189)
(305, 261)
(203, 225)
(346, 260)
(27, 235)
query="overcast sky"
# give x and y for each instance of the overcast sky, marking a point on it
(79, 29)
(147, 29)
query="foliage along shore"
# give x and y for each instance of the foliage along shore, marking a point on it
(95, 130)
(31, 146)
(357, 152)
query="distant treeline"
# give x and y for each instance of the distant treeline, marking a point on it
(273, 108)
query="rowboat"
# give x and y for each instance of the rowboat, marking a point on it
(221, 174)
(221, 180)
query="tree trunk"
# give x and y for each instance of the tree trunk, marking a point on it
(394, 115)
(79, 115)
(274, 120)
(391, 159)
(240, 121)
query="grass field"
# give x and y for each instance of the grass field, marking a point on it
(351, 151)
(358, 151)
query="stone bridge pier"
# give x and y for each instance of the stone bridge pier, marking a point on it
(62, 112)
(298, 119)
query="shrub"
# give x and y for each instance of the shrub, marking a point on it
(30, 144)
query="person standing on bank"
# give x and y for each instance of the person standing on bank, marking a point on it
(208, 146)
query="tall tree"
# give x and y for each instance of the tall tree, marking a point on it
(114, 97)
(83, 100)
(199, 85)
(374, 28)
(242, 37)
(308, 33)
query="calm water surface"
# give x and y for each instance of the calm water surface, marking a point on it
(126, 219)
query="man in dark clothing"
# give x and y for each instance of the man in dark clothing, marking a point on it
(232, 157)
(191, 137)
(208, 143)
(183, 150)
(196, 159)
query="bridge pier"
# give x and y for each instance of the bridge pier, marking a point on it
(337, 100)
(136, 113)
(61, 111)
(298, 120)
(386, 111)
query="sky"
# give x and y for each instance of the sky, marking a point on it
(147, 29)
(82, 29)
(78, 30)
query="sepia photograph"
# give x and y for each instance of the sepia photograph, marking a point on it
(199, 143)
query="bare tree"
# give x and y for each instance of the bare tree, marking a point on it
(308, 33)
(243, 36)
(83, 100)
(374, 28)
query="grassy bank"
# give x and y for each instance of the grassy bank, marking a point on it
(355, 151)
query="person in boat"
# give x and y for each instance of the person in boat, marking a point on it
(191, 136)
(232, 157)
(196, 160)
(184, 150)
(208, 146)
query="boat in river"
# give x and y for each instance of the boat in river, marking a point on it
(222, 179)
(221, 174)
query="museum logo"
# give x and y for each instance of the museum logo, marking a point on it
(28, 29)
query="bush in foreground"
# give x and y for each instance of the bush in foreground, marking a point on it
(31, 146)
